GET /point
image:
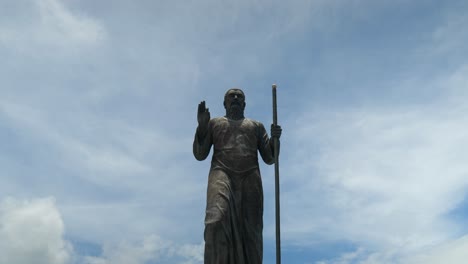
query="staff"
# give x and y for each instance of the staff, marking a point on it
(277, 190)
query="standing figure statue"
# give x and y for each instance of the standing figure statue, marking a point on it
(234, 204)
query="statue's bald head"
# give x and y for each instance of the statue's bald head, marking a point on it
(234, 103)
(234, 90)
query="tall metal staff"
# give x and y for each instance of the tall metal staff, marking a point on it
(277, 190)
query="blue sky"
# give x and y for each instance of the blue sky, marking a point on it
(98, 111)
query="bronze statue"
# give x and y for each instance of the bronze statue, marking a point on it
(234, 205)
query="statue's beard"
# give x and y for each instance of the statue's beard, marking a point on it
(235, 112)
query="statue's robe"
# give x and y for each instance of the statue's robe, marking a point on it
(234, 207)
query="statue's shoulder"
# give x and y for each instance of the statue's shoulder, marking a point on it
(218, 119)
(255, 123)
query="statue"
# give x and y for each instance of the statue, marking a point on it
(234, 206)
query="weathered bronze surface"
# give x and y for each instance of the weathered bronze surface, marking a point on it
(234, 204)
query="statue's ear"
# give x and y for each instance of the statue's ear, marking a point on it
(245, 104)
(224, 103)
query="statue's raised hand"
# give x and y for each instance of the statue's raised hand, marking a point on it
(203, 117)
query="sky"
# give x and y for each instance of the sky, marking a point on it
(98, 103)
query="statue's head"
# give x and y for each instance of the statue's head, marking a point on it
(234, 103)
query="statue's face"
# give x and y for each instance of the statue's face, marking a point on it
(234, 98)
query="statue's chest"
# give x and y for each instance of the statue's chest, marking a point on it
(234, 134)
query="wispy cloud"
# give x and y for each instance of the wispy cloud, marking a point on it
(384, 177)
(76, 150)
(98, 109)
(49, 25)
(150, 249)
(451, 35)
(453, 251)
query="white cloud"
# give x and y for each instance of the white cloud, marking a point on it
(75, 149)
(49, 26)
(402, 168)
(453, 252)
(32, 232)
(192, 253)
(152, 248)
(134, 164)
(96, 113)
(59, 22)
(383, 177)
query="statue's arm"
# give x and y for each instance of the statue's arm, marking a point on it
(202, 143)
(265, 145)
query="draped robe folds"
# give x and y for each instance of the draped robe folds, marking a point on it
(234, 206)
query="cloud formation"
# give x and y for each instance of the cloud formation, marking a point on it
(46, 24)
(99, 101)
(453, 252)
(150, 249)
(31, 231)
(383, 177)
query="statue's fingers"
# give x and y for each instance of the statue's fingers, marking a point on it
(200, 107)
